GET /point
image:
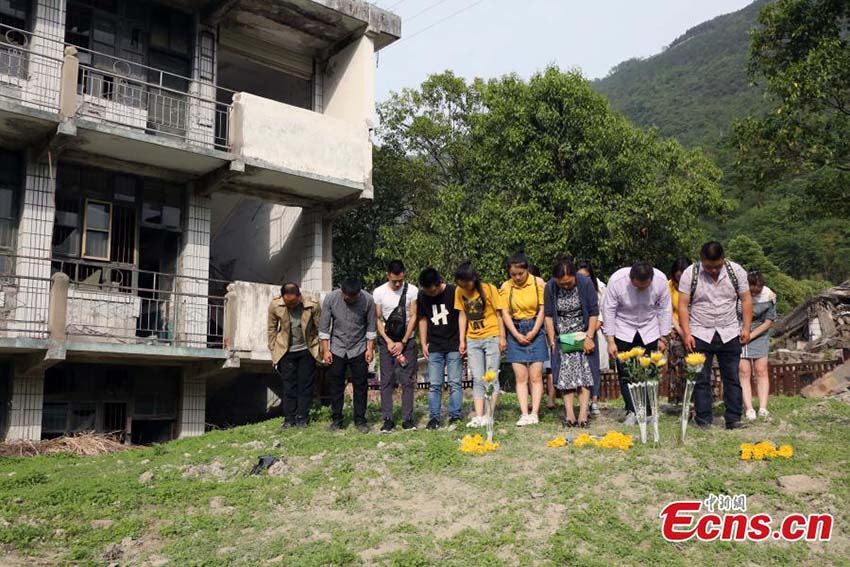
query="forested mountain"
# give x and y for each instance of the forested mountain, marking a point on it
(696, 87)
(694, 91)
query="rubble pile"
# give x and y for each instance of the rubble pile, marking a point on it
(820, 324)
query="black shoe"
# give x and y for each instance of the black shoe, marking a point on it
(454, 420)
(335, 426)
(301, 425)
(388, 426)
(433, 424)
(583, 424)
(736, 425)
(408, 425)
(363, 427)
(570, 423)
(287, 425)
(704, 426)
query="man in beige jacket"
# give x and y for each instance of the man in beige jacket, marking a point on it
(293, 333)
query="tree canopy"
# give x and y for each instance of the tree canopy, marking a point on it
(543, 165)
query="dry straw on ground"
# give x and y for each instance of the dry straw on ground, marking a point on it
(83, 444)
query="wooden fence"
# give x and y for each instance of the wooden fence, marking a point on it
(785, 380)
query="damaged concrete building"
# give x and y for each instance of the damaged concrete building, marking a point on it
(164, 166)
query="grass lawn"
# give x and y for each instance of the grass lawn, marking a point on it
(410, 498)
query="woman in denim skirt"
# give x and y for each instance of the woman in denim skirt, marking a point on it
(522, 296)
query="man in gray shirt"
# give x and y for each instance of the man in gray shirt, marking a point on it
(347, 332)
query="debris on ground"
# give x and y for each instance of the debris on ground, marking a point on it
(821, 323)
(83, 444)
(213, 471)
(832, 383)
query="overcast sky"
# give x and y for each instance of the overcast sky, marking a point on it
(494, 37)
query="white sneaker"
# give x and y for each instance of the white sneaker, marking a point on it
(762, 413)
(483, 421)
(751, 414)
(523, 420)
(631, 420)
(533, 419)
(474, 422)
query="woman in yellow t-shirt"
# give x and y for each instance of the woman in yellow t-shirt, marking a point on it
(522, 295)
(482, 333)
(676, 350)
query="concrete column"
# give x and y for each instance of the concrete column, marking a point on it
(348, 89)
(203, 114)
(48, 43)
(193, 267)
(327, 255)
(311, 255)
(27, 398)
(68, 84)
(193, 402)
(57, 314)
(35, 233)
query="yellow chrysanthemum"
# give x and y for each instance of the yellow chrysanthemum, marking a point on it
(661, 363)
(559, 441)
(475, 444)
(656, 356)
(785, 451)
(695, 359)
(645, 361)
(490, 375)
(624, 356)
(638, 352)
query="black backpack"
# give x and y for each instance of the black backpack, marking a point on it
(396, 324)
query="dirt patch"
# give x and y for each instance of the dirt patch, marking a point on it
(129, 551)
(801, 484)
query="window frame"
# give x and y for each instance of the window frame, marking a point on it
(86, 230)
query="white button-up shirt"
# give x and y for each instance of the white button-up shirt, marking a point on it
(628, 310)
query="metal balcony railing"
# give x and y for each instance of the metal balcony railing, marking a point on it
(123, 304)
(30, 67)
(24, 298)
(108, 303)
(115, 90)
(157, 102)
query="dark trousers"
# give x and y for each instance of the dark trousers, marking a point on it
(298, 372)
(728, 358)
(622, 371)
(359, 380)
(392, 374)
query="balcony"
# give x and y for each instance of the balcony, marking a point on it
(84, 103)
(103, 310)
(291, 149)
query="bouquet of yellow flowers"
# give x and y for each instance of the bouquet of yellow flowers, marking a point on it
(642, 373)
(694, 363)
(765, 450)
(476, 445)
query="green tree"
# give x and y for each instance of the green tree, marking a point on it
(790, 291)
(543, 165)
(801, 52)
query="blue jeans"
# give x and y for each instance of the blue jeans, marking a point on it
(441, 364)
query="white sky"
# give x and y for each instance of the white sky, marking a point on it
(495, 37)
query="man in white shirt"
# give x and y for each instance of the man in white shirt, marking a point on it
(638, 311)
(396, 330)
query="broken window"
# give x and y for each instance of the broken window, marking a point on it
(10, 181)
(98, 219)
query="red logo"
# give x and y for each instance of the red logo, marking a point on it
(680, 521)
